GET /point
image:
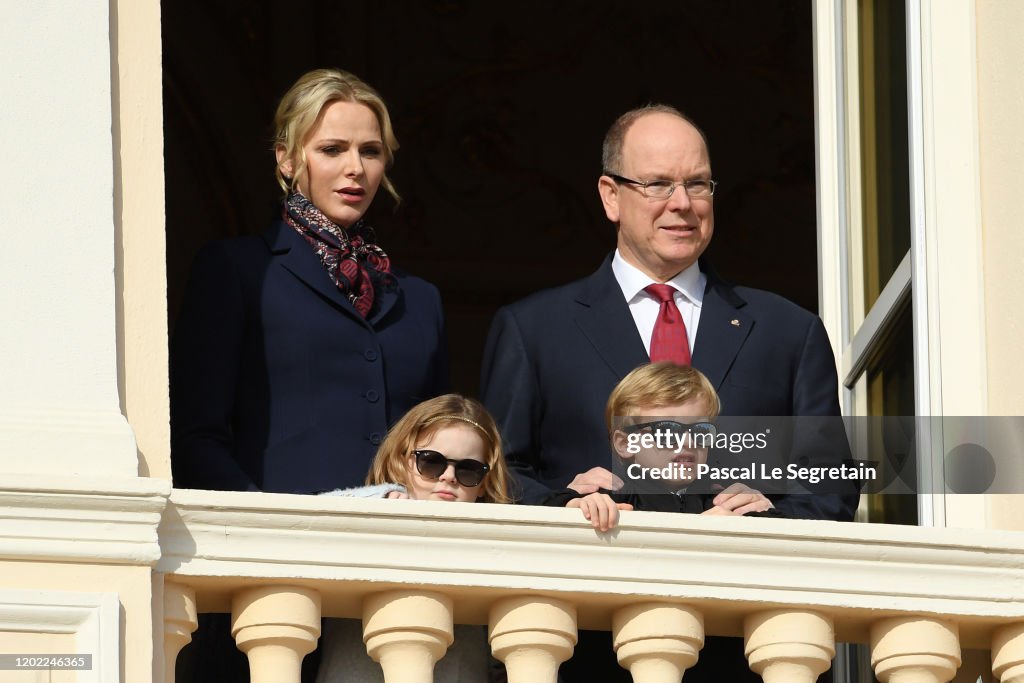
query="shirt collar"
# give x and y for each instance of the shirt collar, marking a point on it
(632, 280)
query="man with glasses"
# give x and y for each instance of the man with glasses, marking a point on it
(553, 358)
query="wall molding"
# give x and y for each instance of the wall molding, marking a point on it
(93, 619)
(81, 519)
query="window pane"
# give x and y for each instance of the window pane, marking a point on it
(890, 389)
(885, 163)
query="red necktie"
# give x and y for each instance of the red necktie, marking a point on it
(669, 341)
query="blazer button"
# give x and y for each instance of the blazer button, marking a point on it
(372, 396)
(375, 439)
(370, 355)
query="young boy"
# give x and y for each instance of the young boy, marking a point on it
(660, 422)
(679, 404)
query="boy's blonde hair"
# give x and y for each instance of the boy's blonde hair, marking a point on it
(658, 385)
(391, 464)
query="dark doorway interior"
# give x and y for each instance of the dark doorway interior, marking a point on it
(500, 109)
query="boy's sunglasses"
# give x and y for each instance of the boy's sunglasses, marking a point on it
(432, 465)
(704, 430)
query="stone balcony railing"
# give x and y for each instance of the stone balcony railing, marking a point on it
(790, 588)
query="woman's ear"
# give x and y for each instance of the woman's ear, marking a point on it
(620, 442)
(283, 163)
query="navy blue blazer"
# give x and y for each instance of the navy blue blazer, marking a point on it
(277, 383)
(553, 358)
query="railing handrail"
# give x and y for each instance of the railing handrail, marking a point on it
(724, 566)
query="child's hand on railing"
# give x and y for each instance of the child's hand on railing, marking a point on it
(600, 509)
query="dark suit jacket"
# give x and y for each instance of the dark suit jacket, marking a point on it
(278, 384)
(553, 358)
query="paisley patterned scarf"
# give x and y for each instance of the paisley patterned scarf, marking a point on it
(352, 259)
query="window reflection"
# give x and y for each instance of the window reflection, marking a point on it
(885, 164)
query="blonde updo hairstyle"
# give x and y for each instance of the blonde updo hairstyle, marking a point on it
(391, 464)
(301, 108)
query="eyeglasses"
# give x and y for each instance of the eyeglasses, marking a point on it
(432, 465)
(700, 434)
(698, 188)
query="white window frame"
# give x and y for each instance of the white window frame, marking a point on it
(942, 273)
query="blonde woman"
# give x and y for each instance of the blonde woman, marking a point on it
(296, 349)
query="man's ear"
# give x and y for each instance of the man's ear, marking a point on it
(609, 191)
(285, 164)
(620, 442)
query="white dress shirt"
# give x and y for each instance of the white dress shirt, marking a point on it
(689, 296)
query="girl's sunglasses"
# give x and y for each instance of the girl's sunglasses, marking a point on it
(432, 465)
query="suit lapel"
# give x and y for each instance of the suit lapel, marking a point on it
(294, 254)
(723, 328)
(385, 299)
(604, 318)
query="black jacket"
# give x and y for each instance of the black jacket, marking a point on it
(277, 383)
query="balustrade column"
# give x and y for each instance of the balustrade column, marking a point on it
(915, 650)
(789, 646)
(657, 642)
(276, 626)
(532, 636)
(179, 623)
(407, 632)
(1008, 654)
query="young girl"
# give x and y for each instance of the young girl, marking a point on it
(447, 449)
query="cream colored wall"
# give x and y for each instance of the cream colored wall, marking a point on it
(1000, 110)
(133, 586)
(139, 218)
(84, 337)
(1001, 136)
(59, 407)
(38, 643)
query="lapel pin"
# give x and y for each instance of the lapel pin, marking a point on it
(735, 322)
